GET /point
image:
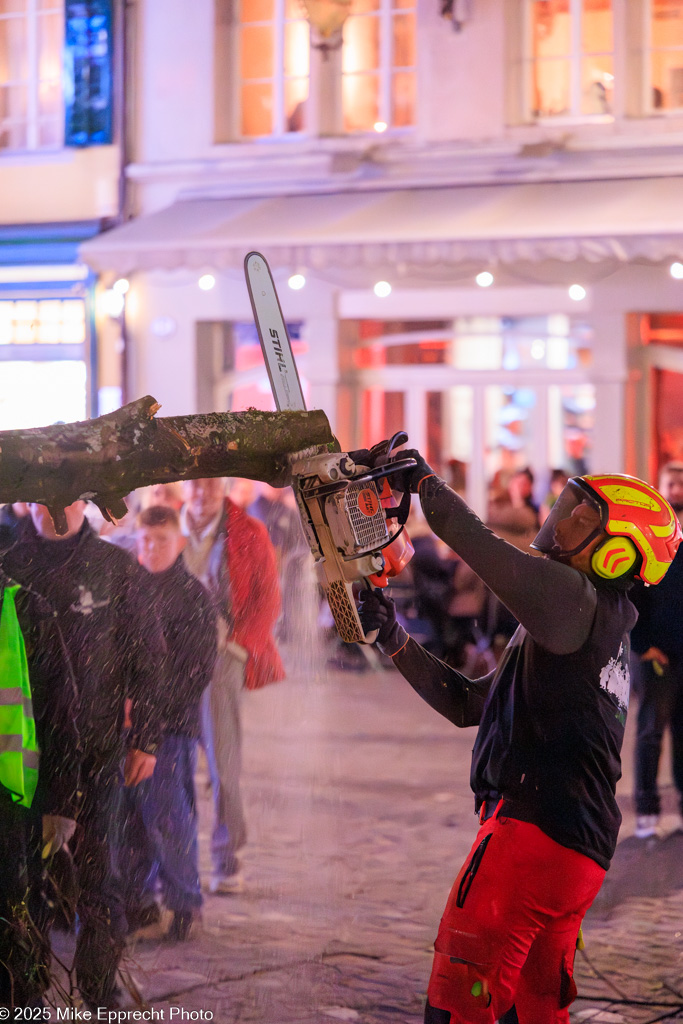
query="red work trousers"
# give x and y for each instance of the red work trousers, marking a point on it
(508, 933)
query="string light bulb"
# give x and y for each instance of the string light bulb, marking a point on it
(577, 292)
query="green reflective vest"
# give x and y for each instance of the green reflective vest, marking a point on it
(18, 746)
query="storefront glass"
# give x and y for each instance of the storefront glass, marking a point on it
(43, 367)
(492, 394)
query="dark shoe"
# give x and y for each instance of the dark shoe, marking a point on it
(183, 923)
(143, 917)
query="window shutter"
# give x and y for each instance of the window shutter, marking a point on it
(88, 85)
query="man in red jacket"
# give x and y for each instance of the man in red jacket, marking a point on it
(232, 555)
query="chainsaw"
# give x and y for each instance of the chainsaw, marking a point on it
(354, 525)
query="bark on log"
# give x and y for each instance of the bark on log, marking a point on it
(105, 458)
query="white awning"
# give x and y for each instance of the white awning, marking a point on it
(616, 220)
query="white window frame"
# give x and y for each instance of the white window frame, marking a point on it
(385, 71)
(278, 78)
(648, 85)
(31, 17)
(575, 115)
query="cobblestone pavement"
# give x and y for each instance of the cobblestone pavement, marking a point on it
(360, 814)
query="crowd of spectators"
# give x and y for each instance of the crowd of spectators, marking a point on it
(136, 641)
(122, 647)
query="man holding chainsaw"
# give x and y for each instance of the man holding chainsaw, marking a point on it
(551, 718)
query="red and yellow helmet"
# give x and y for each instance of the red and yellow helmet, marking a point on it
(643, 531)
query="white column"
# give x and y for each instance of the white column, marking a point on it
(610, 373)
(539, 453)
(476, 472)
(608, 435)
(321, 363)
(416, 418)
(324, 107)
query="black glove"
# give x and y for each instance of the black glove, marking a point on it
(380, 453)
(409, 480)
(377, 611)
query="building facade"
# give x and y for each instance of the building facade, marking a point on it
(473, 211)
(60, 169)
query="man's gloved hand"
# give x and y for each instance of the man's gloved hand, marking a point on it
(410, 479)
(57, 832)
(377, 611)
(379, 454)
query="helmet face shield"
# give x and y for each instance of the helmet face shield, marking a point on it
(574, 521)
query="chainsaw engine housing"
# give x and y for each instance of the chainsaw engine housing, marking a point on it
(344, 516)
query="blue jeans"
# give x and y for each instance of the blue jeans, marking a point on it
(162, 830)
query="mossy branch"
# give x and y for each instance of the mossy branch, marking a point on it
(104, 459)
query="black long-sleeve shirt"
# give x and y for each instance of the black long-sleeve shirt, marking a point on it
(188, 620)
(104, 609)
(551, 716)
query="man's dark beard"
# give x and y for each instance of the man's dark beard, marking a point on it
(677, 506)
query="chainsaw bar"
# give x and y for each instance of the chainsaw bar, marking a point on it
(315, 508)
(273, 335)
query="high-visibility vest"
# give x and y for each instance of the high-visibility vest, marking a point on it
(18, 746)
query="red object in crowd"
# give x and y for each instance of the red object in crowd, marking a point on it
(255, 596)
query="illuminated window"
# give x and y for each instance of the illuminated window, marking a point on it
(378, 65)
(35, 394)
(31, 103)
(42, 322)
(572, 67)
(666, 54)
(274, 50)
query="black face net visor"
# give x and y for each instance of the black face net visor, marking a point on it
(574, 521)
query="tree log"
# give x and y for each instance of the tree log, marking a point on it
(105, 458)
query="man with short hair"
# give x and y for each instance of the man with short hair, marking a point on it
(231, 554)
(546, 757)
(657, 642)
(102, 603)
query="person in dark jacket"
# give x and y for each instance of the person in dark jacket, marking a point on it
(546, 757)
(657, 641)
(164, 843)
(34, 828)
(102, 601)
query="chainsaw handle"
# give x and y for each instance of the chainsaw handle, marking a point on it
(322, 490)
(371, 636)
(339, 593)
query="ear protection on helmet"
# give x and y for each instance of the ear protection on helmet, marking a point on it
(615, 558)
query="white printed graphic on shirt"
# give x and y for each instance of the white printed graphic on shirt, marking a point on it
(615, 678)
(86, 603)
